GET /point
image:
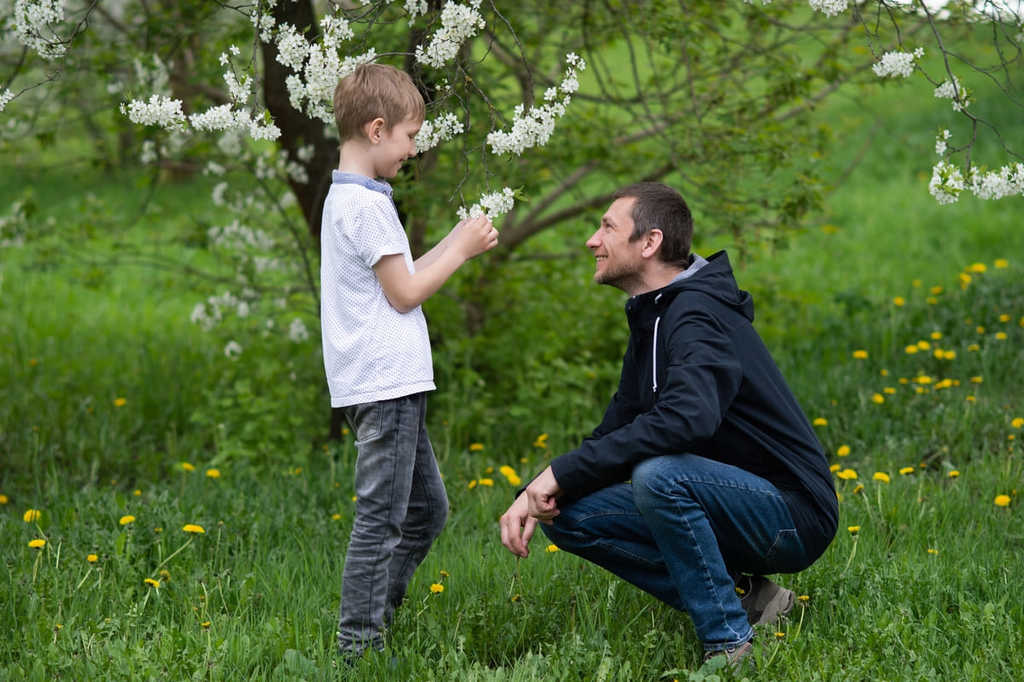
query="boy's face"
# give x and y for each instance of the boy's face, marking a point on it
(392, 147)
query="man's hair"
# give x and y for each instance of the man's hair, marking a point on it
(658, 206)
(372, 91)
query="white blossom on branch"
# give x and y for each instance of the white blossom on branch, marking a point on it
(893, 64)
(458, 24)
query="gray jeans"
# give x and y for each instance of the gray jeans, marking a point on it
(401, 507)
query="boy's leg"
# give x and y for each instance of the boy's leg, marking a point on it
(386, 437)
(425, 518)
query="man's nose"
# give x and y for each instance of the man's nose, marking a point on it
(593, 242)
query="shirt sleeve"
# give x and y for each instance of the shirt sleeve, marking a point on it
(376, 232)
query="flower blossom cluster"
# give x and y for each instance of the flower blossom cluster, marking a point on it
(1006, 182)
(955, 91)
(159, 110)
(492, 205)
(941, 142)
(829, 8)
(207, 314)
(5, 97)
(236, 235)
(33, 26)
(458, 24)
(893, 64)
(437, 130)
(947, 182)
(533, 127)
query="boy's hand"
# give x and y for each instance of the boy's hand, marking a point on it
(474, 236)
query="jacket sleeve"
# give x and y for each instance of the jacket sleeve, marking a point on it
(703, 376)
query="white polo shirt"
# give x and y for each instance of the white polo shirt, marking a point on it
(371, 351)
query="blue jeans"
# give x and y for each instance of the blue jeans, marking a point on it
(680, 531)
(401, 507)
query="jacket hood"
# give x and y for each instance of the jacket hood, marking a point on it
(714, 279)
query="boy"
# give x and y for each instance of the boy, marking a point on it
(376, 349)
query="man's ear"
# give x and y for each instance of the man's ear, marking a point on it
(374, 129)
(652, 242)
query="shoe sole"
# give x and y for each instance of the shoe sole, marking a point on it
(780, 605)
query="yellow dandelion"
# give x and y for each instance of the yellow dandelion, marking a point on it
(354, 498)
(436, 588)
(884, 372)
(126, 519)
(936, 335)
(911, 349)
(973, 348)
(820, 421)
(32, 515)
(92, 558)
(1017, 422)
(213, 473)
(888, 390)
(489, 470)
(931, 300)
(847, 475)
(906, 470)
(780, 635)
(853, 529)
(551, 549)
(193, 528)
(949, 355)
(489, 482)
(971, 399)
(476, 447)
(1001, 336)
(858, 489)
(335, 517)
(205, 625)
(1004, 318)
(976, 380)
(151, 582)
(510, 474)
(186, 466)
(804, 598)
(860, 355)
(979, 329)
(965, 280)
(935, 291)
(472, 484)
(904, 380)
(878, 398)
(3, 499)
(923, 379)
(924, 345)
(541, 441)
(899, 301)
(881, 476)
(834, 467)
(843, 450)
(933, 551)
(165, 575)
(120, 402)
(1002, 501)
(445, 574)
(977, 267)
(38, 543)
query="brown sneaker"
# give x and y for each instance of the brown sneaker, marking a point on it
(763, 600)
(735, 657)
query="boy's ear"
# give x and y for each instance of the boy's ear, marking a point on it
(374, 129)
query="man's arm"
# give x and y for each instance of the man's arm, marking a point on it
(405, 290)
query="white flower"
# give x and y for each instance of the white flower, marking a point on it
(297, 331)
(34, 22)
(158, 110)
(895, 64)
(955, 91)
(458, 24)
(5, 97)
(829, 7)
(415, 8)
(437, 130)
(940, 142)
(946, 183)
(292, 48)
(492, 205)
(232, 349)
(1007, 181)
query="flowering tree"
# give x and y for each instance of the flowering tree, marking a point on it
(716, 100)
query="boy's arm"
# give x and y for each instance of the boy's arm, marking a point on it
(405, 291)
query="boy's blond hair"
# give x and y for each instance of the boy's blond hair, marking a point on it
(372, 91)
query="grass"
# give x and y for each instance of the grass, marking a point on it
(926, 588)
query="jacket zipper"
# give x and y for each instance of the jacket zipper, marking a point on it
(654, 356)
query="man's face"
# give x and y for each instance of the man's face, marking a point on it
(619, 263)
(395, 146)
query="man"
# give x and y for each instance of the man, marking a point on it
(704, 474)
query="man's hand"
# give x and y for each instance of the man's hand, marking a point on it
(517, 527)
(541, 494)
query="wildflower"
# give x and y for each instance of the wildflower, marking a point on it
(945, 383)
(354, 498)
(1001, 336)
(489, 470)
(804, 598)
(923, 379)
(541, 441)
(489, 482)
(833, 468)
(476, 447)
(884, 372)
(510, 474)
(976, 380)
(445, 574)
(906, 470)
(185, 466)
(843, 450)
(193, 528)
(335, 517)
(965, 280)
(860, 355)
(137, 492)
(126, 519)
(92, 558)
(205, 625)
(120, 402)
(936, 335)
(436, 588)
(859, 489)
(780, 635)
(911, 349)
(1017, 422)
(151, 582)
(165, 575)
(889, 390)
(739, 590)
(853, 529)
(924, 345)
(932, 551)
(878, 398)
(158, 529)
(213, 473)
(881, 476)
(899, 301)
(1004, 318)
(39, 543)
(949, 355)
(979, 329)
(32, 515)
(551, 549)
(3, 499)
(1001, 263)
(971, 399)
(977, 267)
(472, 484)
(931, 300)
(820, 421)
(935, 291)
(1002, 501)
(847, 475)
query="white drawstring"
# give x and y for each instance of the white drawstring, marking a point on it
(654, 356)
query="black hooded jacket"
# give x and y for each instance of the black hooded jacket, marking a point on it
(697, 378)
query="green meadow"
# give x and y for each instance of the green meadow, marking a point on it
(169, 512)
